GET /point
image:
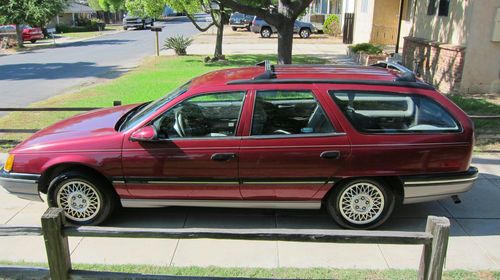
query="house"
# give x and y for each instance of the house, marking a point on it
(455, 45)
(375, 21)
(73, 11)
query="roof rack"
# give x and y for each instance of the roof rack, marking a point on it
(407, 74)
(268, 73)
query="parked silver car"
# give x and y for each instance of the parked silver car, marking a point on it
(304, 29)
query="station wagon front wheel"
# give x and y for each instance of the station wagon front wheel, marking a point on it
(85, 199)
(360, 204)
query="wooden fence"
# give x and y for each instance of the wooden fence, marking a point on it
(434, 241)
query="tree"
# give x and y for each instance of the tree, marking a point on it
(37, 13)
(145, 8)
(282, 18)
(217, 13)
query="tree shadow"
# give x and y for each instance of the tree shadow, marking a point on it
(55, 71)
(238, 60)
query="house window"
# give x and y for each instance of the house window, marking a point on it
(364, 6)
(431, 9)
(444, 7)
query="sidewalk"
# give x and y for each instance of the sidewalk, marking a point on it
(474, 242)
(243, 42)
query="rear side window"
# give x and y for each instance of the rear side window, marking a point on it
(288, 113)
(394, 113)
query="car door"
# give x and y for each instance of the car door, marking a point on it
(292, 149)
(196, 156)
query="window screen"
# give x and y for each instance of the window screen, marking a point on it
(288, 112)
(394, 113)
(444, 6)
(431, 9)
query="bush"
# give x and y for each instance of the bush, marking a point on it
(178, 43)
(331, 25)
(366, 48)
(82, 25)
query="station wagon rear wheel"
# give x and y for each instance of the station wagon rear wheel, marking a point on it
(360, 204)
(85, 199)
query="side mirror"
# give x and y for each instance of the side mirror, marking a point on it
(145, 134)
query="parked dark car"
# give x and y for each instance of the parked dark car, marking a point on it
(239, 20)
(137, 22)
(31, 34)
(304, 29)
(355, 140)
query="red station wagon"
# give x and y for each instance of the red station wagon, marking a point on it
(356, 140)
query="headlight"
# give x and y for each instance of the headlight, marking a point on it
(9, 163)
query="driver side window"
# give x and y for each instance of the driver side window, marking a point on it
(208, 115)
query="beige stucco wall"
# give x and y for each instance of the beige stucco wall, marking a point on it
(482, 60)
(363, 22)
(452, 29)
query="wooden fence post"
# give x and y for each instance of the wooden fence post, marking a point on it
(56, 244)
(434, 254)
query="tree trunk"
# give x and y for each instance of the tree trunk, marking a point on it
(220, 35)
(285, 42)
(106, 17)
(19, 32)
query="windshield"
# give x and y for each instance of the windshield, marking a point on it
(140, 115)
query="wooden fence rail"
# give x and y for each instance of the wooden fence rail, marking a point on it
(434, 241)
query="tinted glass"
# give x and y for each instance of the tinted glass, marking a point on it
(288, 112)
(209, 115)
(394, 113)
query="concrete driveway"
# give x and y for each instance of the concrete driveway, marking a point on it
(474, 243)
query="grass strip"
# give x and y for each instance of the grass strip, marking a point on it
(279, 273)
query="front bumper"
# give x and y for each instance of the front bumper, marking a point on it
(20, 184)
(422, 188)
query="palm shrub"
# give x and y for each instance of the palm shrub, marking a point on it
(366, 48)
(331, 26)
(178, 43)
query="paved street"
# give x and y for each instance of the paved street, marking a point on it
(474, 242)
(38, 74)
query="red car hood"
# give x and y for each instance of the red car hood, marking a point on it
(92, 130)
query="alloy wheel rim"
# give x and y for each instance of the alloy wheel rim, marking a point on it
(361, 203)
(304, 34)
(80, 201)
(266, 33)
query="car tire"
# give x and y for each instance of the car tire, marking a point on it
(93, 201)
(248, 28)
(346, 203)
(305, 33)
(33, 41)
(125, 28)
(266, 32)
(234, 28)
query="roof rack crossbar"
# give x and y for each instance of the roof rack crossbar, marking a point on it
(268, 71)
(407, 74)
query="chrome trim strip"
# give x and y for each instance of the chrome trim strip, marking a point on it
(155, 203)
(189, 182)
(118, 182)
(281, 182)
(281, 136)
(416, 183)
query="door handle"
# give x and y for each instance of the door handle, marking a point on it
(223, 157)
(330, 155)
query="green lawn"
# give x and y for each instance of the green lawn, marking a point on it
(158, 76)
(280, 273)
(153, 79)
